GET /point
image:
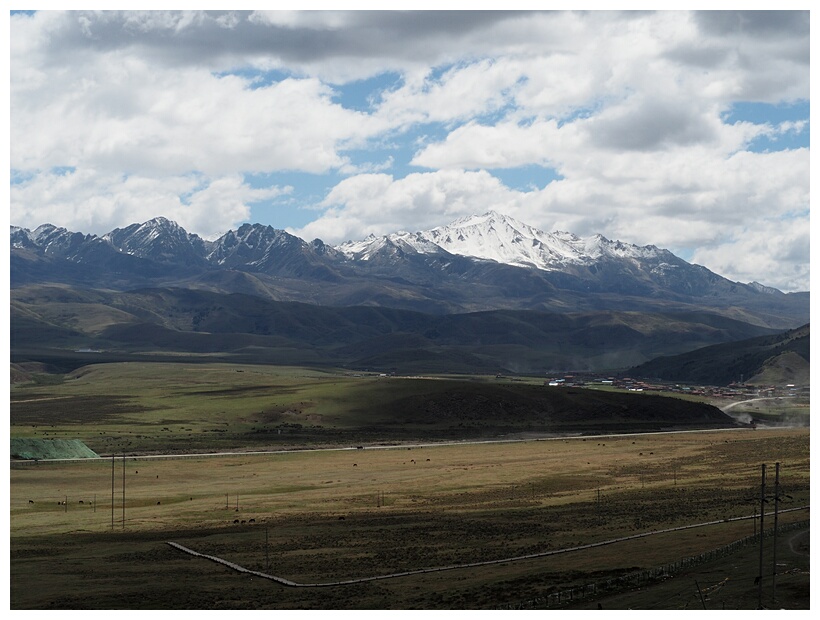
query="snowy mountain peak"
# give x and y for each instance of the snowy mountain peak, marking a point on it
(761, 288)
(158, 239)
(372, 246)
(503, 239)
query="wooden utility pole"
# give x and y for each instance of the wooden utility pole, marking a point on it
(774, 544)
(112, 490)
(762, 513)
(123, 490)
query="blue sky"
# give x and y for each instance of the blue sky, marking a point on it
(685, 130)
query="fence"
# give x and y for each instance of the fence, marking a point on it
(644, 577)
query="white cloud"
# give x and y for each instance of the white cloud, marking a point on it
(777, 248)
(91, 201)
(312, 20)
(120, 113)
(504, 145)
(379, 204)
(461, 92)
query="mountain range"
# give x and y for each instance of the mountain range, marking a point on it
(479, 263)
(60, 324)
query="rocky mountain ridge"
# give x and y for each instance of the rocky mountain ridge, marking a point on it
(482, 262)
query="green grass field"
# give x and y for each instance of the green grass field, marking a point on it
(153, 407)
(139, 408)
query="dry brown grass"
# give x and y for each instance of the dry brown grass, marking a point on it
(539, 474)
(324, 518)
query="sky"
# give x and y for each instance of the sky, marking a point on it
(684, 130)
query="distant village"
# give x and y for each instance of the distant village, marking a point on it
(740, 391)
(734, 390)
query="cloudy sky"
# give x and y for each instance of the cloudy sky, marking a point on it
(689, 131)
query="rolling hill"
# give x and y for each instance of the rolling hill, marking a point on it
(778, 359)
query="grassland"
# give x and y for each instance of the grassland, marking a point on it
(319, 509)
(324, 515)
(140, 408)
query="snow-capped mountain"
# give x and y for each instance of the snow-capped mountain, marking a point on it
(255, 247)
(481, 262)
(58, 241)
(397, 244)
(500, 238)
(158, 239)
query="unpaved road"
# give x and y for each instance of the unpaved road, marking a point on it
(752, 400)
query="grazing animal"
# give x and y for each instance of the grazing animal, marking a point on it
(157, 503)
(242, 521)
(31, 501)
(236, 520)
(354, 465)
(81, 501)
(341, 518)
(251, 520)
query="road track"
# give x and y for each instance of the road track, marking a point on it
(148, 457)
(752, 400)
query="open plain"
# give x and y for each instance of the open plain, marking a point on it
(321, 516)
